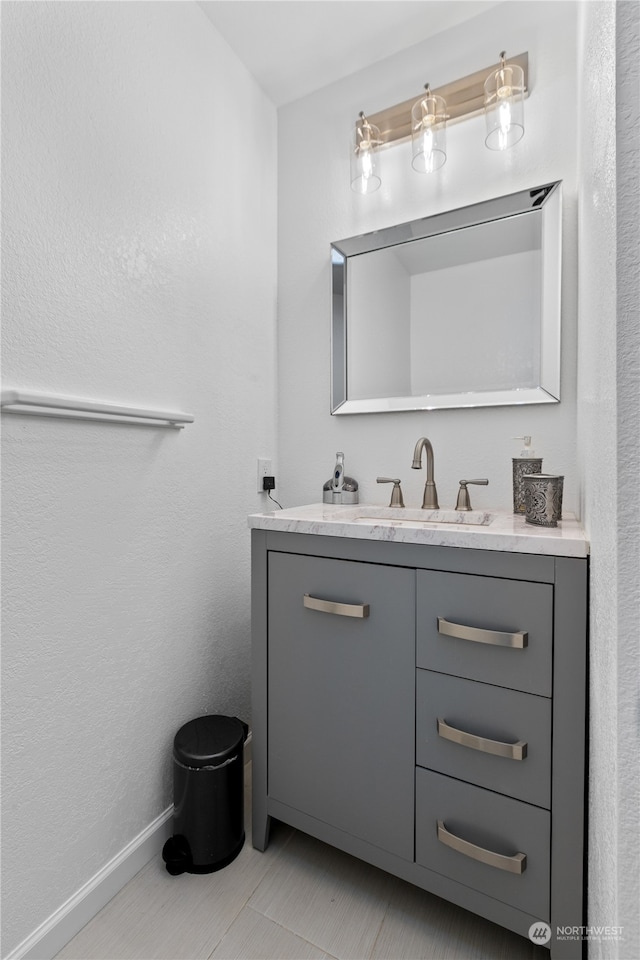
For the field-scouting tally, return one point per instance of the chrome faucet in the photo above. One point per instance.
(430, 499)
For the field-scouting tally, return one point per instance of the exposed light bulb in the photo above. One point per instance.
(427, 145)
(366, 161)
(504, 116)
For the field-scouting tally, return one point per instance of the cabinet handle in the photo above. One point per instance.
(340, 609)
(512, 751)
(519, 639)
(515, 864)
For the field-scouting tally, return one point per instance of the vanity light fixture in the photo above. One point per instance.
(504, 105)
(499, 90)
(364, 159)
(429, 132)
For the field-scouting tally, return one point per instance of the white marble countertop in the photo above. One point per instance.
(493, 530)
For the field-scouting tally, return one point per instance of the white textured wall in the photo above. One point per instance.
(609, 439)
(628, 439)
(317, 206)
(597, 436)
(133, 216)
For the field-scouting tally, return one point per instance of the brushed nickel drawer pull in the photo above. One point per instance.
(515, 864)
(519, 639)
(512, 751)
(340, 609)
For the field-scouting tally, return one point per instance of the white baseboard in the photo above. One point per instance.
(52, 935)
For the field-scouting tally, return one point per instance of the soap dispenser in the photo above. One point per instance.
(527, 462)
(339, 488)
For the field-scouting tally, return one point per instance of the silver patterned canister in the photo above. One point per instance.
(522, 466)
(543, 498)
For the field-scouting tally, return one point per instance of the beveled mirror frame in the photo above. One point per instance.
(544, 201)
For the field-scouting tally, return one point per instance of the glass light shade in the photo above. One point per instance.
(504, 106)
(365, 176)
(429, 133)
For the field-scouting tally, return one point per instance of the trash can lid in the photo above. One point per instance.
(208, 741)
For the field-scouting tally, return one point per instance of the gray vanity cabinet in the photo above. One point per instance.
(423, 708)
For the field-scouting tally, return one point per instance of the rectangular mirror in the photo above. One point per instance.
(461, 309)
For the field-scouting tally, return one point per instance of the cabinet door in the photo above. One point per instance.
(341, 709)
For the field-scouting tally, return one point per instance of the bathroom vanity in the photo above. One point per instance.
(419, 701)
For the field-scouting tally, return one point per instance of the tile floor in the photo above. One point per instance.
(299, 900)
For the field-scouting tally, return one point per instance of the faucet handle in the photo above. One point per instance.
(397, 499)
(464, 501)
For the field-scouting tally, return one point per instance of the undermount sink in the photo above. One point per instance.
(398, 517)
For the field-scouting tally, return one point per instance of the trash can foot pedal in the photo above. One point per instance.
(177, 856)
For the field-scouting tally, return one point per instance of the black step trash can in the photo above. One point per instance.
(208, 795)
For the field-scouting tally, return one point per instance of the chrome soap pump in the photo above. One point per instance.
(340, 488)
(526, 463)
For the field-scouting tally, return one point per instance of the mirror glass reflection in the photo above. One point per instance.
(461, 309)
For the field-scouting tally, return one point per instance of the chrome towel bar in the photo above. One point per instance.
(74, 408)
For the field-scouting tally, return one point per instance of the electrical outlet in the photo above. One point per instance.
(264, 470)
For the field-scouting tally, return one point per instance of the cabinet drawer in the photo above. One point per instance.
(490, 736)
(488, 629)
(456, 823)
